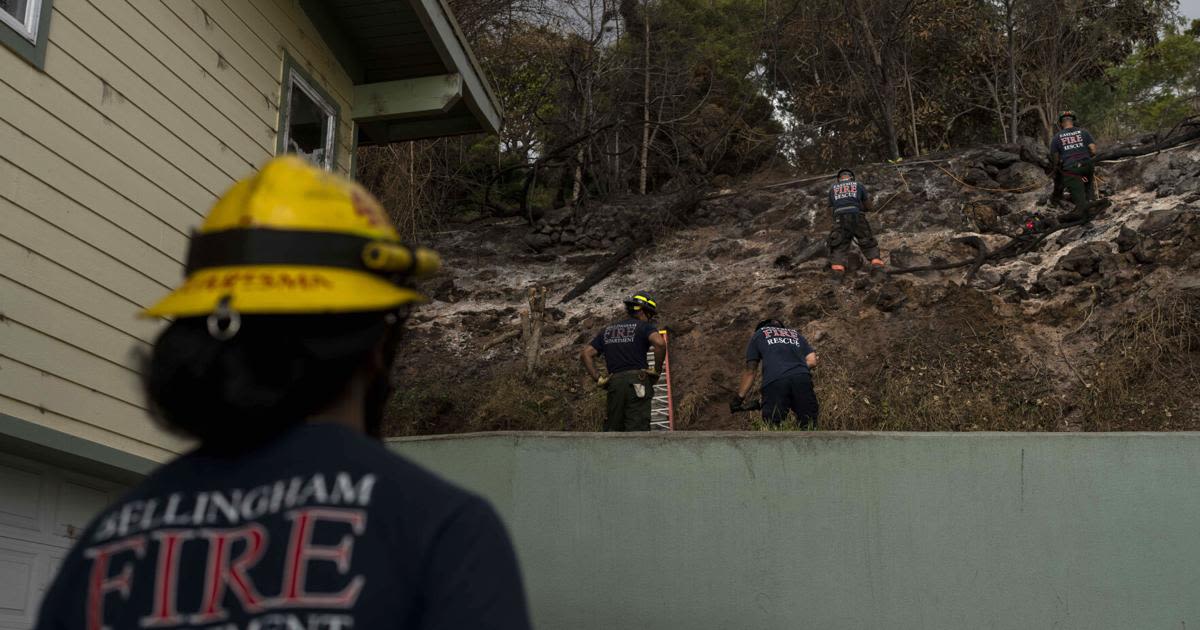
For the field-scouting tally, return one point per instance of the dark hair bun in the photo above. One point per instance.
(275, 372)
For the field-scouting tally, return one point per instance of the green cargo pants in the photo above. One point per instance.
(1078, 177)
(848, 228)
(626, 411)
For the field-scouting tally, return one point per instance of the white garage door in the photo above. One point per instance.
(43, 507)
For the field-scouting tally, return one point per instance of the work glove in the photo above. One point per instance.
(602, 382)
(736, 404)
(650, 375)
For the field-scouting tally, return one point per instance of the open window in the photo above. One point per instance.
(23, 25)
(22, 16)
(308, 118)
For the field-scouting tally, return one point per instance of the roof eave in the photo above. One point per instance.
(457, 55)
(453, 51)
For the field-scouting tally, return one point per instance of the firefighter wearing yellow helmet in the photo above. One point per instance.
(289, 510)
(296, 240)
(629, 384)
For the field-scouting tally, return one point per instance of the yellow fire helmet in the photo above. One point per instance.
(295, 239)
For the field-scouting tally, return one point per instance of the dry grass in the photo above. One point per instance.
(689, 410)
(961, 373)
(958, 366)
(1146, 376)
(554, 402)
(942, 397)
(954, 369)
(789, 424)
(500, 400)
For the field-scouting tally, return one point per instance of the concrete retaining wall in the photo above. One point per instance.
(829, 530)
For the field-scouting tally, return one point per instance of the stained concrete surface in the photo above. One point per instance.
(843, 530)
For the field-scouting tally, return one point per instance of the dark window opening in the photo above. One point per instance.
(310, 123)
(21, 16)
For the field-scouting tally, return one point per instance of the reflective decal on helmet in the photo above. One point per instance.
(295, 239)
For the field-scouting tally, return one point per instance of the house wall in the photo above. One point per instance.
(834, 530)
(145, 111)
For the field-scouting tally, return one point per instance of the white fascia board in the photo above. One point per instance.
(452, 47)
(407, 97)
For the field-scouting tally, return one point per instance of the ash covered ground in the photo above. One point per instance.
(1097, 327)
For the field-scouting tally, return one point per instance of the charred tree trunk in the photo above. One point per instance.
(531, 330)
(881, 65)
(1010, 33)
(889, 119)
(1186, 133)
(912, 108)
(684, 205)
(601, 271)
(644, 167)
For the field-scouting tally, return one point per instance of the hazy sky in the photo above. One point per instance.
(1190, 8)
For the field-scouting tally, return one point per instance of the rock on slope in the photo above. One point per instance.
(1096, 328)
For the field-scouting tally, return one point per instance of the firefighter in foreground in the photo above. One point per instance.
(290, 512)
(849, 200)
(1071, 153)
(630, 381)
(787, 360)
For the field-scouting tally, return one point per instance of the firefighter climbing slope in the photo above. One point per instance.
(290, 512)
(630, 381)
(1071, 153)
(849, 201)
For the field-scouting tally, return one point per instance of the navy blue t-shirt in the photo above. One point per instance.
(781, 350)
(624, 345)
(1072, 144)
(322, 528)
(847, 197)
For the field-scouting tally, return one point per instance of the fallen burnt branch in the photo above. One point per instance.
(1016, 246)
(641, 237)
(602, 269)
(937, 267)
(1187, 132)
(981, 253)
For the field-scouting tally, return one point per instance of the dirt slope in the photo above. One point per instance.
(1096, 328)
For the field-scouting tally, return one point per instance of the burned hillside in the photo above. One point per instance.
(1093, 326)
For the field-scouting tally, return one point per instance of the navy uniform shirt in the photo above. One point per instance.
(625, 344)
(781, 351)
(321, 529)
(1071, 145)
(846, 197)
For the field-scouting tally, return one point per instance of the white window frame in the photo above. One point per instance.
(295, 79)
(29, 28)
